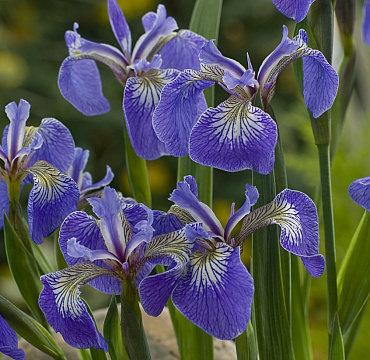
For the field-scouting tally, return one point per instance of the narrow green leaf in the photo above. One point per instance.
(98, 354)
(43, 263)
(84, 354)
(300, 330)
(271, 319)
(29, 329)
(336, 348)
(354, 275)
(113, 334)
(24, 269)
(137, 173)
(246, 344)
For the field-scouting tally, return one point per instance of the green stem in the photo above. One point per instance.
(133, 334)
(137, 173)
(328, 219)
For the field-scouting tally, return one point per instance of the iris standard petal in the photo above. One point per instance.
(53, 197)
(251, 195)
(79, 163)
(18, 115)
(85, 229)
(296, 214)
(182, 51)
(58, 147)
(234, 136)
(294, 9)
(359, 191)
(177, 111)
(184, 197)
(161, 26)
(216, 292)
(79, 83)
(320, 83)
(210, 55)
(9, 341)
(103, 182)
(114, 227)
(155, 290)
(65, 311)
(141, 97)
(366, 23)
(120, 28)
(4, 201)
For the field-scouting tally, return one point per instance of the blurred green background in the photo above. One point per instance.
(32, 48)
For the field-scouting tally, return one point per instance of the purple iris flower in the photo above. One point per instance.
(217, 290)
(9, 341)
(366, 23)
(45, 152)
(359, 191)
(143, 71)
(105, 253)
(83, 178)
(237, 135)
(294, 9)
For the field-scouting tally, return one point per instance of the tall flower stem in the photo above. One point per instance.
(328, 219)
(137, 173)
(133, 334)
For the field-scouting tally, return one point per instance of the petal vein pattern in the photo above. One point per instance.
(141, 97)
(216, 292)
(177, 111)
(64, 309)
(234, 136)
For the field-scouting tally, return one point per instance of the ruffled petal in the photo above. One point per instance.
(86, 231)
(141, 97)
(4, 201)
(296, 214)
(294, 9)
(359, 191)
(164, 223)
(155, 290)
(120, 28)
(53, 197)
(216, 292)
(79, 82)
(65, 311)
(182, 51)
(177, 111)
(184, 197)
(320, 83)
(366, 23)
(155, 29)
(58, 147)
(234, 136)
(9, 341)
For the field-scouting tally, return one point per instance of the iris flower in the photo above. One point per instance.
(83, 178)
(237, 135)
(359, 191)
(45, 152)
(9, 341)
(106, 253)
(216, 291)
(143, 71)
(294, 9)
